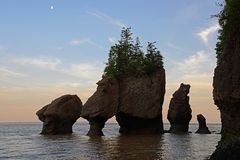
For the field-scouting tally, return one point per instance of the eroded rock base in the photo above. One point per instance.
(96, 126)
(179, 128)
(57, 127)
(135, 125)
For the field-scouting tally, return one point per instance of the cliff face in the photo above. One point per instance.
(179, 112)
(140, 103)
(59, 116)
(226, 94)
(135, 100)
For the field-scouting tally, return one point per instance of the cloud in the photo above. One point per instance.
(58, 48)
(207, 32)
(78, 42)
(192, 63)
(5, 72)
(87, 71)
(43, 62)
(112, 40)
(196, 69)
(107, 18)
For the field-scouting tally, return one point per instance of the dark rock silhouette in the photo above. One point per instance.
(203, 129)
(102, 105)
(179, 113)
(59, 116)
(135, 100)
(226, 94)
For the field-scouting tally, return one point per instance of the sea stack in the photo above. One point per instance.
(136, 101)
(203, 129)
(140, 103)
(102, 105)
(59, 116)
(132, 88)
(226, 82)
(180, 113)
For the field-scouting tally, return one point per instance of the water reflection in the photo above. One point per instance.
(25, 142)
(177, 146)
(129, 147)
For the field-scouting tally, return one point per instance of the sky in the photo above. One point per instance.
(49, 48)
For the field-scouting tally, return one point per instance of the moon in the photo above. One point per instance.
(51, 7)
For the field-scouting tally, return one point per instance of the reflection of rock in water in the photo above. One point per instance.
(141, 147)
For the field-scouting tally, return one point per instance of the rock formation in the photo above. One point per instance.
(135, 100)
(203, 129)
(59, 116)
(179, 113)
(226, 84)
(102, 105)
(140, 103)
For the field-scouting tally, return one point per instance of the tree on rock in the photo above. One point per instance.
(153, 59)
(127, 57)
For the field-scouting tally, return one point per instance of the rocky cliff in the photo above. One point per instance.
(226, 96)
(226, 84)
(136, 100)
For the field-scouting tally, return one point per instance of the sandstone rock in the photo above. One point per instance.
(179, 113)
(203, 129)
(59, 116)
(140, 103)
(102, 105)
(135, 100)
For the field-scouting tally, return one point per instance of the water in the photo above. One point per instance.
(22, 141)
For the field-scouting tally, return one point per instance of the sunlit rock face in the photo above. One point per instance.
(135, 100)
(203, 129)
(226, 94)
(179, 112)
(102, 105)
(59, 116)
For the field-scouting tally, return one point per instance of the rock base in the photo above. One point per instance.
(136, 125)
(179, 128)
(96, 126)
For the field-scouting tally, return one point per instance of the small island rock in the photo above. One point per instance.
(203, 129)
(180, 113)
(59, 116)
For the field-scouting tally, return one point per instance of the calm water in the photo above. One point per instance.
(22, 141)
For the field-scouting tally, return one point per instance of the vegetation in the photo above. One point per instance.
(229, 20)
(127, 57)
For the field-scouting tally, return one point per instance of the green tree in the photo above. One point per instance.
(229, 18)
(136, 58)
(127, 57)
(153, 58)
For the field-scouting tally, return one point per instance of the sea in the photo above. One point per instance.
(22, 141)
